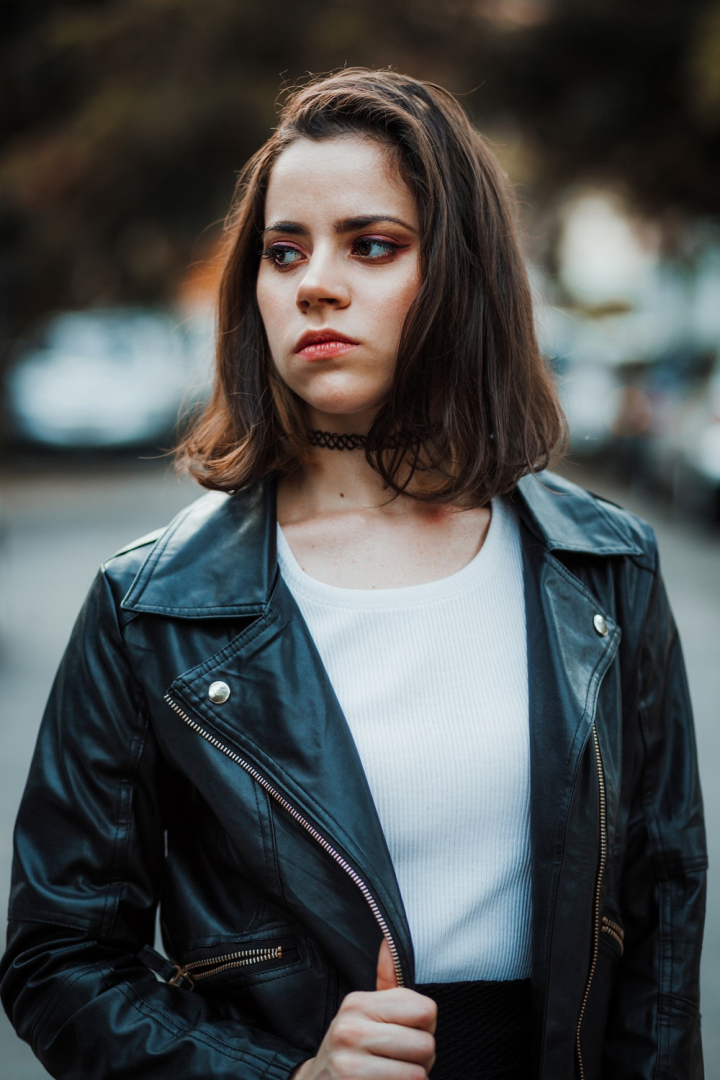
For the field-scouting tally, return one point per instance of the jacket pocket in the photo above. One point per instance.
(276, 981)
(236, 962)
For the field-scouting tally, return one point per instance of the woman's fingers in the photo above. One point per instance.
(357, 1031)
(399, 1006)
(410, 1045)
(341, 1066)
(380, 1035)
(375, 1068)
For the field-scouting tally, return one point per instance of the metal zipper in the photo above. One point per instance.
(615, 931)
(305, 824)
(216, 964)
(598, 890)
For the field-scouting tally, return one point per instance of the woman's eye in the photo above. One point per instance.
(282, 255)
(370, 247)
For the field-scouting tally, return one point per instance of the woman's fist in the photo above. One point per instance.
(385, 1035)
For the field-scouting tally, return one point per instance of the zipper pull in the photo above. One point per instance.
(181, 977)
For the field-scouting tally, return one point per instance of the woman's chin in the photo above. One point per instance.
(341, 413)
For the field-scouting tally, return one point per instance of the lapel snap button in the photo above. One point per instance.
(219, 692)
(600, 625)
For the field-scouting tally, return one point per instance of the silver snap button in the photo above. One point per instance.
(220, 692)
(598, 622)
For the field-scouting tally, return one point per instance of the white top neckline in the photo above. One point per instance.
(468, 577)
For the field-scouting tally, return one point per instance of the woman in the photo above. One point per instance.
(398, 734)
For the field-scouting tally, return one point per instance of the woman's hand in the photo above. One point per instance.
(386, 1035)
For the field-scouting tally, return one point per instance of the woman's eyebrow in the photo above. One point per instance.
(293, 227)
(362, 222)
(345, 225)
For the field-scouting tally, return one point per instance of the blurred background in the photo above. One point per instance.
(122, 126)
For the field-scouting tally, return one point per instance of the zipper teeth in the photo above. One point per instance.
(297, 816)
(598, 888)
(233, 960)
(615, 936)
(616, 927)
(247, 955)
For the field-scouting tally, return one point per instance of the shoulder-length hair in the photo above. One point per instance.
(472, 406)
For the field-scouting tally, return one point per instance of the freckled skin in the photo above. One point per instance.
(338, 520)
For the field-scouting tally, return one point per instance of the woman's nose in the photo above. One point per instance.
(322, 284)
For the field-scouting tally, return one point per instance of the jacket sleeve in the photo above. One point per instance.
(654, 1029)
(88, 857)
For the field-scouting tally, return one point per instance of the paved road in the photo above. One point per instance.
(60, 525)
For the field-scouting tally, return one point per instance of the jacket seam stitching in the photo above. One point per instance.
(272, 866)
(657, 853)
(250, 608)
(174, 1027)
(51, 1006)
(656, 856)
(667, 964)
(128, 786)
(55, 918)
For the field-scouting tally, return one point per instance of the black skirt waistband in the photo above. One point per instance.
(483, 1030)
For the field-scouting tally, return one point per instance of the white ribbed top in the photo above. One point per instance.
(432, 680)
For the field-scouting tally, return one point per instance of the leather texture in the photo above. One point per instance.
(249, 822)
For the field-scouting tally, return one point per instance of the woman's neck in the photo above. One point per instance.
(345, 529)
(333, 481)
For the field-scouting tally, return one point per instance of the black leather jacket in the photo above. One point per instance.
(250, 821)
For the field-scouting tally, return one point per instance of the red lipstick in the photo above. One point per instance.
(324, 344)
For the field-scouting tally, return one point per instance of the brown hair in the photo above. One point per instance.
(482, 411)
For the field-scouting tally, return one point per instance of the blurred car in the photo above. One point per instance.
(669, 423)
(113, 378)
(699, 464)
(583, 357)
(588, 395)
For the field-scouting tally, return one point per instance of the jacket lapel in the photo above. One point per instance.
(567, 661)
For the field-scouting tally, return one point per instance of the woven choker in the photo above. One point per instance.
(333, 440)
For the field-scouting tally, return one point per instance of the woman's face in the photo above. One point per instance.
(340, 268)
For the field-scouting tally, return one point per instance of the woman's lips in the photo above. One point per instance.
(324, 350)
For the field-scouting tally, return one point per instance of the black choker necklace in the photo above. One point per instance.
(333, 440)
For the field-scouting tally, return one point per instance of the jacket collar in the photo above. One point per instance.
(217, 558)
(565, 517)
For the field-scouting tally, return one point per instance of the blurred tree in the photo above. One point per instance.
(122, 122)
